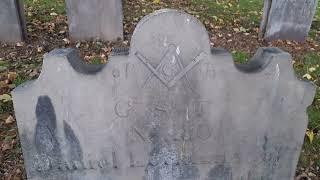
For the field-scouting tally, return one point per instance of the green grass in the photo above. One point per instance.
(96, 61)
(4, 66)
(20, 79)
(317, 16)
(6, 107)
(43, 8)
(240, 57)
(244, 12)
(309, 152)
(310, 64)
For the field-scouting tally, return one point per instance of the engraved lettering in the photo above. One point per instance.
(204, 131)
(116, 73)
(207, 71)
(131, 160)
(122, 108)
(114, 160)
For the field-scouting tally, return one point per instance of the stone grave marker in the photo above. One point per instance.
(12, 23)
(287, 19)
(171, 108)
(95, 19)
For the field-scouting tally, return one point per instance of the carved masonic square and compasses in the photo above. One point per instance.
(170, 69)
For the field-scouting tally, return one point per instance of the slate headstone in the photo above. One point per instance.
(12, 23)
(171, 108)
(287, 19)
(95, 19)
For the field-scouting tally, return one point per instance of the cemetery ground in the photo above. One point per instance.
(231, 24)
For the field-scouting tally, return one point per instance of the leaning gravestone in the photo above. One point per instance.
(287, 19)
(12, 23)
(95, 19)
(170, 109)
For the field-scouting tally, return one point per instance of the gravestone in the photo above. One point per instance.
(287, 19)
(95, 19)
(12, 23)
(171, 108)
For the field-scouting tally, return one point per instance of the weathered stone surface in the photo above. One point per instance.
(12, 23)
(287, 19)
(170, 109)
(94, 19)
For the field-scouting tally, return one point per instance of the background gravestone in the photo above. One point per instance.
(95, 19)
(170, 109)
(287, 19)
(12, 23)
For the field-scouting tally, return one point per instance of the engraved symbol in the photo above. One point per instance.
(115, 73)
(141, 135)
(204, 131)
(170, 69)
(122, 108)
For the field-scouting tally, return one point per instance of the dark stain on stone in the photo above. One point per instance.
(220, 172)
(219, 51)
(46, 141)
(265, 143)
(75, 150)
(165, 163)
(188, 172)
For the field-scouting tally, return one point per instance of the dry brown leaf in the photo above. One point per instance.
(9, 120)
(6, 146)
(12, 76)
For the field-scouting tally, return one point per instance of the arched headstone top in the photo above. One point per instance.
(158, 31)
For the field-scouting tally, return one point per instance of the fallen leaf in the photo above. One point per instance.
(215, 18)
(12, 76)
(62, 32)
(19, 44)
(310, 135)
(5, 98)
(78, 45)
(307, 76)
(312, 69)
(40, 49)
(66, 41)
(9, 120)
(242, 29)
(156, 1)
(53, 14)
(236, 29)
(6, 146)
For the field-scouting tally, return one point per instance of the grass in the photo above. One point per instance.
(246, 13)
(96, 61)
(240, 57)
(310, 64)
(20, 79)
(44, 8)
